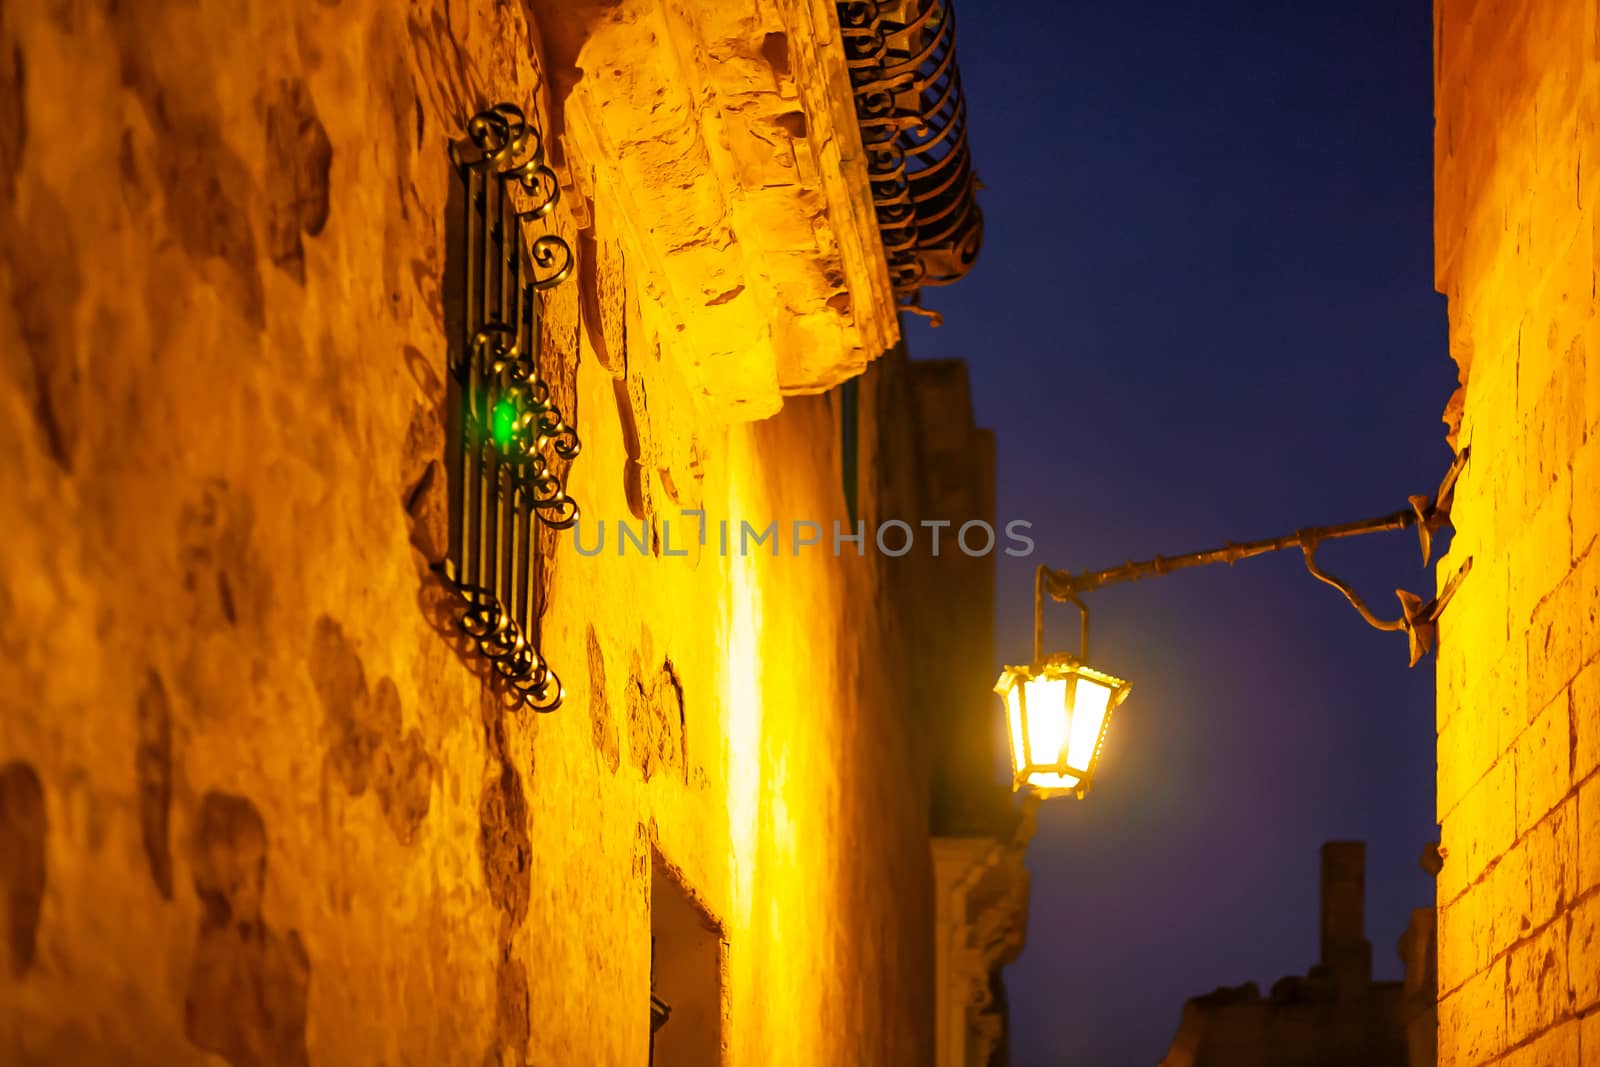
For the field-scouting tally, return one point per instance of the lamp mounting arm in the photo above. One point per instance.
(1419, 621)
(1041, 578)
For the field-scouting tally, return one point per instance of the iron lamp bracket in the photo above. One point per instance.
(1418, 619)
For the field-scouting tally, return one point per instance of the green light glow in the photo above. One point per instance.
(503, 423)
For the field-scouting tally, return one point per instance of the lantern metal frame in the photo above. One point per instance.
(1059, 666)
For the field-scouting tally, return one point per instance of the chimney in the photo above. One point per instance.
(1346, 952)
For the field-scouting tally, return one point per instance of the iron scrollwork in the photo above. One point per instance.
(507, 430)
(912, 114)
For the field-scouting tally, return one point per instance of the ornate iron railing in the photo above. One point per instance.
(505, 428)
(913, 119)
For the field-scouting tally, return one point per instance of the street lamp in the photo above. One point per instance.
(1058, 708)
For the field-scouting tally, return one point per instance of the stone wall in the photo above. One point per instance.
(1517, 156)
(252, 804)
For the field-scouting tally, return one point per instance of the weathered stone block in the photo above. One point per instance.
(1589, 342)
(1555, 643)
(1583, 954)
(1473, 633)
(1553, 226)
(1588, 834)
(1585, 695)
(1455, 846)
(1557, 1047)
(1472, 1021)
(1471, 513)
(1466, 751)
(1567, 428)
(1489, 425)
(1493, 815)
(1586, 498)
(1450, 669)
(1487, 238)
(1536, 983)
(1464, 938)
(1484, 825)
(1542, 460)
(1552, 856)
(1588, 605)
(1508, 920)
(1541, 554)
(1544, 763)
(1509, 682)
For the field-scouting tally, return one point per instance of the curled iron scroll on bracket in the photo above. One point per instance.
(1418, 620)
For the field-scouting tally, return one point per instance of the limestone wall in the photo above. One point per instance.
(1517, 157)
(252, 805)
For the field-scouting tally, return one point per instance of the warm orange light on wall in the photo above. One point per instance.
(1058, 712)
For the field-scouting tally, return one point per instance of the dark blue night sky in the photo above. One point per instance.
(1205, 310)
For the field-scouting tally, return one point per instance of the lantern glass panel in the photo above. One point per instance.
(1049, 715)
(1090, 704)
(1014, 717)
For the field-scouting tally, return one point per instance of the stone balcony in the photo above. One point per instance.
(725, 141)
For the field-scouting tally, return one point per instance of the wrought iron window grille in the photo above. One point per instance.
(506, 430)
(901, 55)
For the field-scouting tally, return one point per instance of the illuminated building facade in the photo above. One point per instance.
(261, 798)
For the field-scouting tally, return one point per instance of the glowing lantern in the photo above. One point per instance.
(1058, 712)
